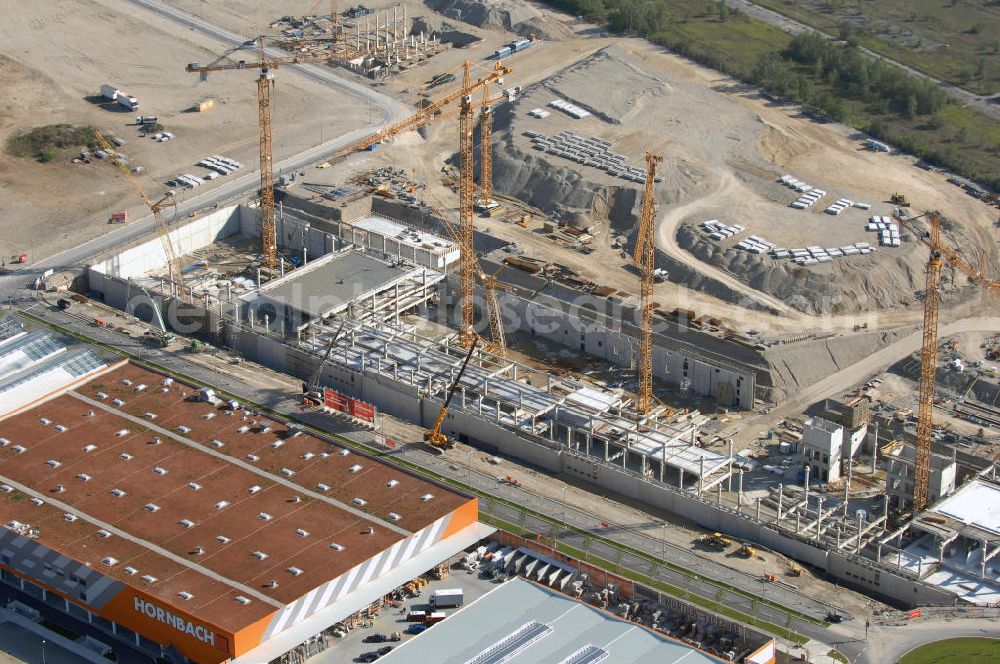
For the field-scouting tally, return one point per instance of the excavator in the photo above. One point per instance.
(433, 436)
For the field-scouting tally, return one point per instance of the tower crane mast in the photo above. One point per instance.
(928, 349)
(465, 212)
(645, 253)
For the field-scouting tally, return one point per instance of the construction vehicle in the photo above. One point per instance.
(163, 336)
(433, 436)
(899, 200)
(157, 208)
(511, 481)
(929, 345)
(746, 550)
(794, 570)
(311, 394)
(716, 541)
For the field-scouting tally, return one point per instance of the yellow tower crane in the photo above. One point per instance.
(928, 349)
(265, 85)
(156, 207)
(466, 335)
(645, 254)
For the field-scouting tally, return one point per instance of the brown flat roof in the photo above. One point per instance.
(255, 487)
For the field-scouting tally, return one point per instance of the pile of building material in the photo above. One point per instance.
(888, 231)
(219, 165)
(539, 113)
(756, 245)
(588, 151)
(815, 255)
(569, 109)
(720, 231)
(809, 193)
(838, 207)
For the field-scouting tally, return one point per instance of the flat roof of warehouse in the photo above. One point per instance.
(333, 280)
(193, 509)
(534, 624)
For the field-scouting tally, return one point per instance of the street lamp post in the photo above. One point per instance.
(43, 651)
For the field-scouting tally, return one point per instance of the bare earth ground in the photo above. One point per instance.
(56, 54)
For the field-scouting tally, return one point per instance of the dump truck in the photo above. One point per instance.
(746, 550)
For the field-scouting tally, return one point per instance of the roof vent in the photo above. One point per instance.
(223, 539)
(264, 516)
(344, 452)
(4, 442)
(221, 505)
(126, 382)
(53, 463)
(60, 488)
(103, 534)
(254, 489)
(45, 421)
(160, 470)
(265, 429)
(185, 595)
(121, 432)
(208, 416)
(240, 599)
(19, 449)
(360, 502)
(184, 429)
(336, 547)
(271, 584)
(294, 571)
(393, 516)
(83, 477)
(187, 523)
(149, 578)
(140, 387)
(199, 550)
(392, 483)
(253, 457)
(60, 428)
(89, 448)
(370, 531)
(70, 517)
(426, 497)
(278, 443)
(150, 416)
(156, 440)
(6, 488)
(124, 456)
(101, 395)
(296, 499)
(287, 472)
(243, 429)
(194, 485)
(37, 502)
(322, 487)
(355, 468)
(118, 493)
(131, 571)
(118, 402)
(109, 561)
(218, 443)
(168, 381)
(302, 532)
(308, 455)
(260, 555)
(152, 507)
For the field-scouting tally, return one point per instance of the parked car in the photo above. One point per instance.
(416, 628)
(375, 638)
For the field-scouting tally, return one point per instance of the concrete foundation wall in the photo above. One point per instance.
(150, 255)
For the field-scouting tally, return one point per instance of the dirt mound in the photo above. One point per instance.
(522, 19)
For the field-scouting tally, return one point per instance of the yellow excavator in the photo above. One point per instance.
(433, 436)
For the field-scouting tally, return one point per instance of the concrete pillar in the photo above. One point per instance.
(701, 474)
(798, 521)
(878, 552)
(857, 548)
(305, 255)
(680, 477)
(781, 500)
(719, 485)
(282, 263)
(607, 450)
(258, 278)
(982, 564)
(806, 483)
(267, 323)
(643, 462)
(498, 411)
(819, 518)
(251, 319)
(739, 494)
(758, 509)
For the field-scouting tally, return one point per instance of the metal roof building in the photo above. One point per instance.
(528, 623)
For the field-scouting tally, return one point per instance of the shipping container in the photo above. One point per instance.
(109, 92)
(502, 52)
(447, 597)
(520, 44)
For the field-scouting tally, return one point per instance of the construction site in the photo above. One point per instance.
(581, 257)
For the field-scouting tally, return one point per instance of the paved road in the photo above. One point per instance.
(978, 102)
(390, 108)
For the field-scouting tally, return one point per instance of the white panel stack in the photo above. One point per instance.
(838, 207)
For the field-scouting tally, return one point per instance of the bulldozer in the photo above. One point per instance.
(746, 550)
(433, 436)
(716, 541)
(899, 200)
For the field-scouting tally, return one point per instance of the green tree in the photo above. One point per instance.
(723, 11)
(846, 29)
(911, 107)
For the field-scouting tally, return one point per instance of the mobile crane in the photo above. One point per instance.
(433, 436)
